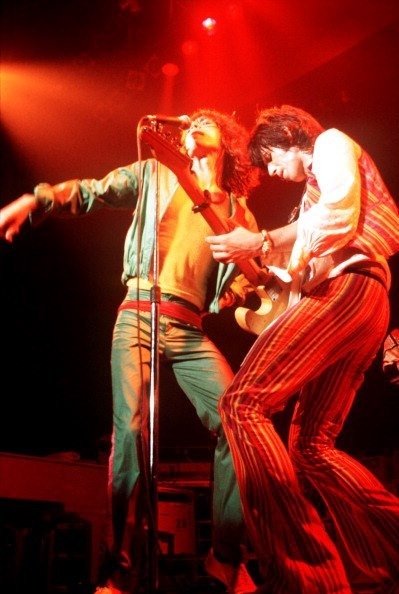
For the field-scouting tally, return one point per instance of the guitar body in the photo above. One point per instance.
(273, 290)
(275, 297)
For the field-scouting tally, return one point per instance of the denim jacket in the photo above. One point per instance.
(120, 189)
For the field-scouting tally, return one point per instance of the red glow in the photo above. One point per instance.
(189, 47)
(170, 69)
(235, 11)
(59, 106)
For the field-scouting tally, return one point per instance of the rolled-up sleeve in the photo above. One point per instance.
(118, 189)
(329, 224)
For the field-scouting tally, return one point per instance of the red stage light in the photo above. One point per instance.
(170, 69)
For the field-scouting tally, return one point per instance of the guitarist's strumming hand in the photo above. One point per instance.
(238, 244)
(299, 259)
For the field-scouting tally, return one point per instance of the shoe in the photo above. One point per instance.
(236, 579)
(109, 590)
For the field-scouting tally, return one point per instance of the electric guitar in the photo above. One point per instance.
(272, 287)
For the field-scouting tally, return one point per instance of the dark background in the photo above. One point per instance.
(76, 78)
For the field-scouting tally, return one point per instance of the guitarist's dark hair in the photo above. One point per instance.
(238, 175)
(283, 127)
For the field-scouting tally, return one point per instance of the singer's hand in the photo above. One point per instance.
(13, 215)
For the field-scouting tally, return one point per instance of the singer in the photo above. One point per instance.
(192, 283)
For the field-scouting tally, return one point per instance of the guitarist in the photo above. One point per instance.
(321, 347)
(191, 283)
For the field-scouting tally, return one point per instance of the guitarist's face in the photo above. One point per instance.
(202, 137)
(287, 164)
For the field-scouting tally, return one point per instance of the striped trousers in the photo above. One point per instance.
(319, 349)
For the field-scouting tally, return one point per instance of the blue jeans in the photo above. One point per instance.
(203, 374)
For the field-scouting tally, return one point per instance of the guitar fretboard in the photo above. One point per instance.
(169, 154)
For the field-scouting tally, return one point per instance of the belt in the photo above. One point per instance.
(167, 308)
(371, 273)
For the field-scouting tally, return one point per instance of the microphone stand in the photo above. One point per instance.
(153, 404)
(152, 444)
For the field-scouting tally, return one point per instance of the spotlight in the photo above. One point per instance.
(209, 24)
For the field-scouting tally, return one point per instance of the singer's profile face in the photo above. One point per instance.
(202, 136)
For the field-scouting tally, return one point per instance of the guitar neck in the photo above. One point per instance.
(180, 164)
(252, 272)
(203, 204)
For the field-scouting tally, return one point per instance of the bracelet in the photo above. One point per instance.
(267, 244)
(44, 198)
(44, 194)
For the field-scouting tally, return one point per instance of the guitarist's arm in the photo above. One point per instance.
(241, 244)
(283, 238)
(281, 242)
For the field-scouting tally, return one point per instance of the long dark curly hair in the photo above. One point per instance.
(238, 175)
(282, 127)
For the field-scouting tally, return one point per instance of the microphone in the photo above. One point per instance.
(183, 121)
